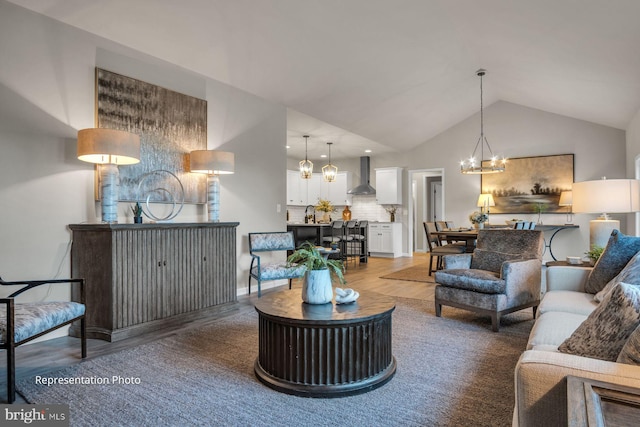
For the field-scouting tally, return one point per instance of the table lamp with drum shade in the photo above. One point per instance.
(485, 201)
(214, 163)
(605, 196)
(108, 148)
(566, 199)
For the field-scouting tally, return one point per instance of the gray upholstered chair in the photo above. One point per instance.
(501, 276)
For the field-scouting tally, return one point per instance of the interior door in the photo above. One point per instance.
(437, 213)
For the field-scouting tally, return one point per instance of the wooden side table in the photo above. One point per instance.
(596, 403)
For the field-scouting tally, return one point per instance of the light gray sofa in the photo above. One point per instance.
(540, 375)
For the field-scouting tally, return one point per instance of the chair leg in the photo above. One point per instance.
(11, 374)
(535, 310)
(430, 265)
(259, 288)
(249, 284)
(495, 322)
(83, 337)
(290, 283)
(438, 309)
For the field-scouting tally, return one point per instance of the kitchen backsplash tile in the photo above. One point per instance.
(362, 208)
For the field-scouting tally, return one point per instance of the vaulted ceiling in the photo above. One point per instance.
(388, 74)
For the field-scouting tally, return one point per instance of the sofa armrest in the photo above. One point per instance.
(561, 278)
(450, 262)
(541, 384)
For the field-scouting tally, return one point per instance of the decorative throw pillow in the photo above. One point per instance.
(603, 334)
(619, 250)
(630, 274)
(630, 353)
(490, 260)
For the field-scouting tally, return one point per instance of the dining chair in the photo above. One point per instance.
(524, 225)
(436, 249)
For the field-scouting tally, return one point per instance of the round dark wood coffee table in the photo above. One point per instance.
(324, 350)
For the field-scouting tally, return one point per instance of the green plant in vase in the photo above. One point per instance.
(316, 286)
(137, 213)
(594, 253)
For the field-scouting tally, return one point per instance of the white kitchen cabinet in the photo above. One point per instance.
(389, 186)
(336, 192)
(303, 192)
(385, 239)
(295, 195)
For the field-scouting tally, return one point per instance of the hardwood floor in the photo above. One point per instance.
(42, 357)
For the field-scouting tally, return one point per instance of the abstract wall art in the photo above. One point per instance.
(170, 125)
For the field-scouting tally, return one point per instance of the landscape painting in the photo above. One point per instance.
(530, 184)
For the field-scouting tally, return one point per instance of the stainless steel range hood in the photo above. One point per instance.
(364, 189)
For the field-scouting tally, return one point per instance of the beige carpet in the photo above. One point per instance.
(417, 273)
(452, 371)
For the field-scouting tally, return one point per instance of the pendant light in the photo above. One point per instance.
(306, 166)
(471, 165)
(329, 172)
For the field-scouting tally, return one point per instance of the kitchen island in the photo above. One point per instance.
(312, 233)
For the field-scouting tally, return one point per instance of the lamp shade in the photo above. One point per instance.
(566, 198)
(485, 199)
(212, 162)
(108, 146)
(606, 196)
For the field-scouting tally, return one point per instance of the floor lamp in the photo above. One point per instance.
(108, 148)
(214, 163)
(605, 195)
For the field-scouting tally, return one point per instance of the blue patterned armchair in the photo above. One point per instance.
(23, 322)
(269, 242)
(502, 275)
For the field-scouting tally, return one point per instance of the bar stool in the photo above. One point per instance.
(351, 245)
(361, 237)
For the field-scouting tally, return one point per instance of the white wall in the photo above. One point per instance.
(633, 152)
(47, 93)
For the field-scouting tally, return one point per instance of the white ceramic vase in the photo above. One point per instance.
(316, 287)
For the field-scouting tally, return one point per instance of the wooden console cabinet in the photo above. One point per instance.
(144, 277)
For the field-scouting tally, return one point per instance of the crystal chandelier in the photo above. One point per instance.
(306, 166)
(473, 166)
(329, 172)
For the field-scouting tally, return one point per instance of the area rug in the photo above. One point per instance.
(451, 371)
(417, 273)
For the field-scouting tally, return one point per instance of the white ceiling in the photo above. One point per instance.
(397, 72)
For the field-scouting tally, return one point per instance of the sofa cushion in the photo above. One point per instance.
(488, 260)
(568, 302)
(552, 328)
(619, 250)
(486, 282)
(630, 353)
(603, 334)
(629, 274)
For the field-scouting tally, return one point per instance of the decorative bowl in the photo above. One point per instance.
(574, 260)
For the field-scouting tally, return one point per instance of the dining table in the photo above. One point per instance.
(470, 235)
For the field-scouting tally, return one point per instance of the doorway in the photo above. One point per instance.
(426, 203)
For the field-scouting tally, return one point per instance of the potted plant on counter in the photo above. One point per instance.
(316, 286)
(326, 207)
